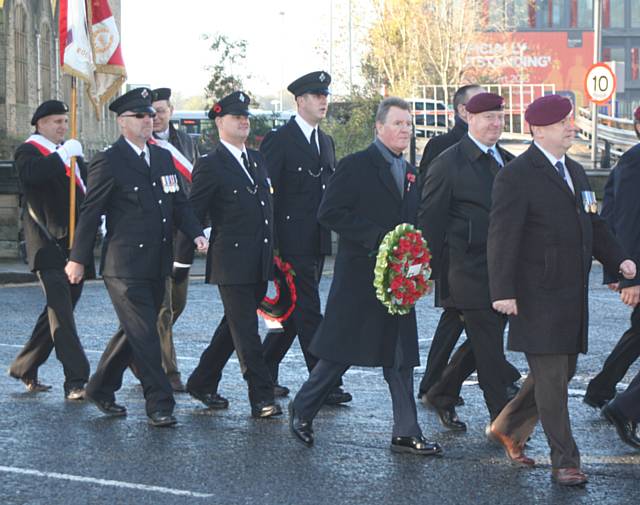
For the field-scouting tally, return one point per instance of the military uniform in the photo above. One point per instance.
(138, 190)
(300, 159)
(45, 185)
(231, 189)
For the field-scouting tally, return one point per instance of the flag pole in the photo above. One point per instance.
(72, 165)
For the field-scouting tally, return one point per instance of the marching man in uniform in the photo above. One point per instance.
(43, 164)
(136, 185)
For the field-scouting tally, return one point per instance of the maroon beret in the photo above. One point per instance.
(548, 109)
(484, 102)
(636, 114)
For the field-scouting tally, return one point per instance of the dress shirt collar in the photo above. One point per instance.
(485, 149)
(237, 153)
(552, 159)
(145, 150)
(305, 127)
(162, 135)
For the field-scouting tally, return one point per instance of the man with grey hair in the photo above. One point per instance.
(371, 192)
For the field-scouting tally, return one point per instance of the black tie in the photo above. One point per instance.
(144, 158)
(314, 144)
(561, 170)
(248, 167)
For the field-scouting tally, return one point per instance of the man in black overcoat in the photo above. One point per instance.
(454, 218)
(621, 209)
(451, 324)
(543, 231)
(43, 164)
(135, 184)
(370, 193)
(232, 191)
(301, 158)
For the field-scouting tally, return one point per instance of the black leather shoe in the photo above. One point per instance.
(303, 430)
(337, 396)
(626, 428)
(34, 385)
(449, 419)
(161, 419)
(592, 401)
(210, 400)
(262, 410)
(512, 391)
(415, 445)
(74, 394)
(280, 391)
(108, 407)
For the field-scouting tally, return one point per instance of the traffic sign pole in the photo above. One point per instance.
(597, 42)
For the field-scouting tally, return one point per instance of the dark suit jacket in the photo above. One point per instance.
(621, 208)
(440, 143)
(140, 214)
(298, 189)
(454, 219)
(362, 203)
(241, 248)
(541, 242)
(45, 187)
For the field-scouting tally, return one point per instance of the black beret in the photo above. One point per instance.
(485, 102)
(160, 94)
(136, 100)
(236, 103)
(548, 109)
(49, 108)
(315, 82)
(636, 114)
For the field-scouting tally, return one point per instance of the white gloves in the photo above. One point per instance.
(70, 148)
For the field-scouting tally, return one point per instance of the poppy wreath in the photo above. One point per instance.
(280, 307)
(401, 274)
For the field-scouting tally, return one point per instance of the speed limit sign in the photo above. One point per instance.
(600, 83)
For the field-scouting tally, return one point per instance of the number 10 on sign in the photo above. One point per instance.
(600, 83)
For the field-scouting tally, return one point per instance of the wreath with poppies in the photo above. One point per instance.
(282, 304)
(402, 271)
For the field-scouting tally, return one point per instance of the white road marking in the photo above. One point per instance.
(103, 482)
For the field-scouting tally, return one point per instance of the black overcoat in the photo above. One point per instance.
(299, 180)
(140, 214)
(441, 143)
(541, 242)
(45, 188)
(454, 218)
(240, 214)
(362, 203)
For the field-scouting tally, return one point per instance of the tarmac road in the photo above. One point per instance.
(54, 452)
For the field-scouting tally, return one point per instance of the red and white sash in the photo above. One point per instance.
(182, 164)
(46, 147)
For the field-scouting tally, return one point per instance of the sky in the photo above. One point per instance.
(163, 45)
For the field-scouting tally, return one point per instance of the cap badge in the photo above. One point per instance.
(321, 77)
(241, 97)
(217, 108)
(144, 93)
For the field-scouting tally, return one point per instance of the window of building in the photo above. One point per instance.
(524, 13)
(581, 14)
(635, 64)
(613, 13)
(45, 62)
(20, 44)
(548, 13)
(634, 6)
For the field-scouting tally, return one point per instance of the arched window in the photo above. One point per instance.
(22, 91)
(45, 62)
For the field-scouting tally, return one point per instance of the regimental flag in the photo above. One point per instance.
(91, 51)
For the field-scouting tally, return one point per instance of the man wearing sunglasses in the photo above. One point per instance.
(301, 159)
(231, 188)
(135, 184)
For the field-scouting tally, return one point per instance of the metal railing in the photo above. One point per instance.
(617, 132)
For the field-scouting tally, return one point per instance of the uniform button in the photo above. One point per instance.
(266, 221)
(266, 240)
(160, 202)
(323, 186)
(235, 245)
(153, 184)
(164, 239)
(287, 218)
(140, 245)
(299, 169)
(135, 188)
(235, 191)
(262, 202)
(164, 219)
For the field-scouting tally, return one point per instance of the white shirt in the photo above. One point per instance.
(162, 135)
(147, 154)
(307, 129)
(237, 154)
(484, 149)
(553, 160)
